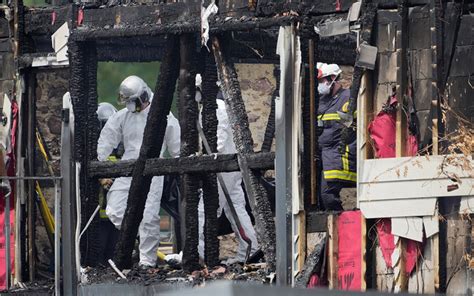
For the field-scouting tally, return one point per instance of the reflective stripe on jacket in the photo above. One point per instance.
(337, 164)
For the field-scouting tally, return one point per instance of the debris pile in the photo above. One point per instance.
(168, 275)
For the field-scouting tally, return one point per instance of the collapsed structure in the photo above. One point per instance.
(413, 232)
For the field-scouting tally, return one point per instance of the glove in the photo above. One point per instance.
(106, 183)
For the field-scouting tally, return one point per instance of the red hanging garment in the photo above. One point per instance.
(11, 173)
(382, 131)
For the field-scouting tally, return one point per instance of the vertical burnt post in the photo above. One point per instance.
(31, 209)
(188, 116)
(153, 137)
(83, 89)
(209, 182)
(235, 107)
(270, 129)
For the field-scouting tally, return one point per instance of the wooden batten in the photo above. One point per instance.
(333, 251)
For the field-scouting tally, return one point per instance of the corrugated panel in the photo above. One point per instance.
(408, 186)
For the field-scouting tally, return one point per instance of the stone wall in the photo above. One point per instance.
(257, 83)
(50, 88)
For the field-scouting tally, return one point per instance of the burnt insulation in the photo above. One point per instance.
(151, 147)
(188, 116)
(209, 181)
(235, 107)
(83, 89)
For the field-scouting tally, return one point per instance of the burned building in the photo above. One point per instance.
(408, 221)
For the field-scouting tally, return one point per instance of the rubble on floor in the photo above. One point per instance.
(166, 275)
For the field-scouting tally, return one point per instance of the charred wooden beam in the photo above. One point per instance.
(188, 117)
(209, 181)
(151, 147)
(46, 21)
(181, 165)
(235, 107)
(83, 89)
(193, 25)
(272, 8)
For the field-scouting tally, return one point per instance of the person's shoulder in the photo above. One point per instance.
(122, 111)
(346, 92)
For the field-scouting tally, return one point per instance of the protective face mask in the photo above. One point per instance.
(131, 106)
(324, 88)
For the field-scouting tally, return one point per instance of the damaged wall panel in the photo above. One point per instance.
(460, 83)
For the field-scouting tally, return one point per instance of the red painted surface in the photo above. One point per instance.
(349, 260)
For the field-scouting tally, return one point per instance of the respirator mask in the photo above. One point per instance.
(131, 105)
(324, 88)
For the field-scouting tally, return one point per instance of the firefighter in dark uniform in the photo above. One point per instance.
(338, 159)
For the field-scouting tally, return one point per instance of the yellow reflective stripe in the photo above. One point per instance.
(345, 107)
(333, 116)
(345, 159)
(102, 214)
(341, 175)
(112, 158)
(329, 116)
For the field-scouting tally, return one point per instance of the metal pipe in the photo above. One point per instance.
(7, 241)
(57, 239)
(242, 233)
(33, 178)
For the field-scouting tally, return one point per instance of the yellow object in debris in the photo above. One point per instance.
(45, 211)
(160, 255)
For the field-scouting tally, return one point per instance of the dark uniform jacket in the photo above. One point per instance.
(338, 164)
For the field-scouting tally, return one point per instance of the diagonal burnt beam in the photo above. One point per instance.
(235, 107)
(151, 147)
(188, 116)
(209, 181)
(181, 165)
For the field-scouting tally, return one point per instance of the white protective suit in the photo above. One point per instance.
(127, 127)
(233, 182)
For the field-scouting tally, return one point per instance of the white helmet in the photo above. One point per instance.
(133, 87)
(105, 110)
(325, 70)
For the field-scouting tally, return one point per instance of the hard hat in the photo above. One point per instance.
(325, 70)
(133, 87)
(105, 110)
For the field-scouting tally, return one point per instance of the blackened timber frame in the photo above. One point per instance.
(84, 52)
